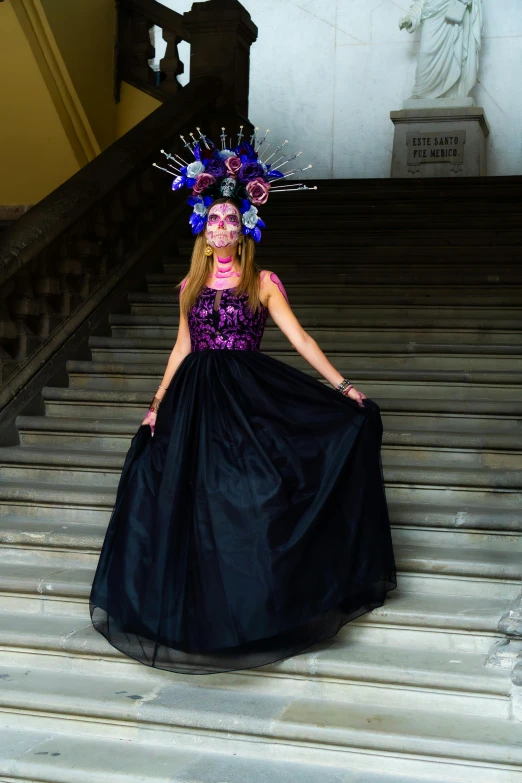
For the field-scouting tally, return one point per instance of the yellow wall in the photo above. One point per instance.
(133, 107)
(84, 31)
(57, 110)
(35, 153)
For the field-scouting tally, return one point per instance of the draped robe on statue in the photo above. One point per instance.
(449, 53)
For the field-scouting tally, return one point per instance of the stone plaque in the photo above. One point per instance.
(435, 147)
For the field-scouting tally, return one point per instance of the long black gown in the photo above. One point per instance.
(253, 523)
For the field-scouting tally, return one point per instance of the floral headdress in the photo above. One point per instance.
(231, 172)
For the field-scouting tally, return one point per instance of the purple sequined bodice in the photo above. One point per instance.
(218, 320)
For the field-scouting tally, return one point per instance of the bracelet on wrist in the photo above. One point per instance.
(344, 385)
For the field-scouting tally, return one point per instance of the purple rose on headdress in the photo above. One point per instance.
(202, 181)
(250, 171)
(233, 165)
(216, 167)
(257, 190)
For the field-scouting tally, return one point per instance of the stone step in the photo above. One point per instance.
(431, 563)
(424, 606)
(351, 293)
(459, 316)
(90, 452)
(503, 384)
(407, 430)
(155, 349)
(355, 672)
(431, 560)
(324, 730)
(360, 357)
(378, 253)
(467, 265)
(145, 329)
(446, 403)
(52, 756)
(342, 239)
(350, 274)
(461, 522)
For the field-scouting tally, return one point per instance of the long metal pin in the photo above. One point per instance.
(262, 141)
(291, 187)
(187, 145)
(276, 150)
(289, 174)
(202, 138)
(286, 162)
(240, 135)
(162, 169)
(194, 140)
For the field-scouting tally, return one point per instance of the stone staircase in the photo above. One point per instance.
(414, 290)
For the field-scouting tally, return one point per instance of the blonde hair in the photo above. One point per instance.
(201, 266)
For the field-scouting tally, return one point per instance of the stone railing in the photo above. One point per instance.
(134, 47)
(58, 256)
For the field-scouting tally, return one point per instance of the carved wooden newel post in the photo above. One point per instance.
(221, 34)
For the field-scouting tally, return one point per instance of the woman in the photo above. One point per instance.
(250, 520)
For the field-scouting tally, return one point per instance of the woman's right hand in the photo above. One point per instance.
(150, 419)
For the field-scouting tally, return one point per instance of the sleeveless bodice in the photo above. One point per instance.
(218, 320)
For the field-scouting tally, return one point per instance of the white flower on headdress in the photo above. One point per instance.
(250, 217)
(195, 168)
(224, 154)
(200, 209)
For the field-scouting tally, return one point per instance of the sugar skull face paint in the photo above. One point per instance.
(223, 226)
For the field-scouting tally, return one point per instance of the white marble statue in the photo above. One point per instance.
(449, 47)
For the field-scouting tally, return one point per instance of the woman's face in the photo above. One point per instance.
(223, 226)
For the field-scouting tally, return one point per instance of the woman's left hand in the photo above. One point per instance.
(355, 395)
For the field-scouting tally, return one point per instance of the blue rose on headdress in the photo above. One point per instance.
(250, 171)
(216, 167)
(195, 168)
(250, 217)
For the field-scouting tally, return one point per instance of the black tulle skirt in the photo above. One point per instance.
(252, 525)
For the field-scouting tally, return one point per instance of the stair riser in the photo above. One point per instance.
(72, 537)
(359, 274)
(344, 336)
(475, 581)
(356, 362)
(426, 576)
(369, 631)
(337, 753)
(493, 430)
(441, 476)
(353, 294)
(412, 520)
(428, 316)
(67, 514)
(494, 539)
(340, 688)
(100, 478)
(421, 638)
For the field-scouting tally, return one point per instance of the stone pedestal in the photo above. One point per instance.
(439, 141)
